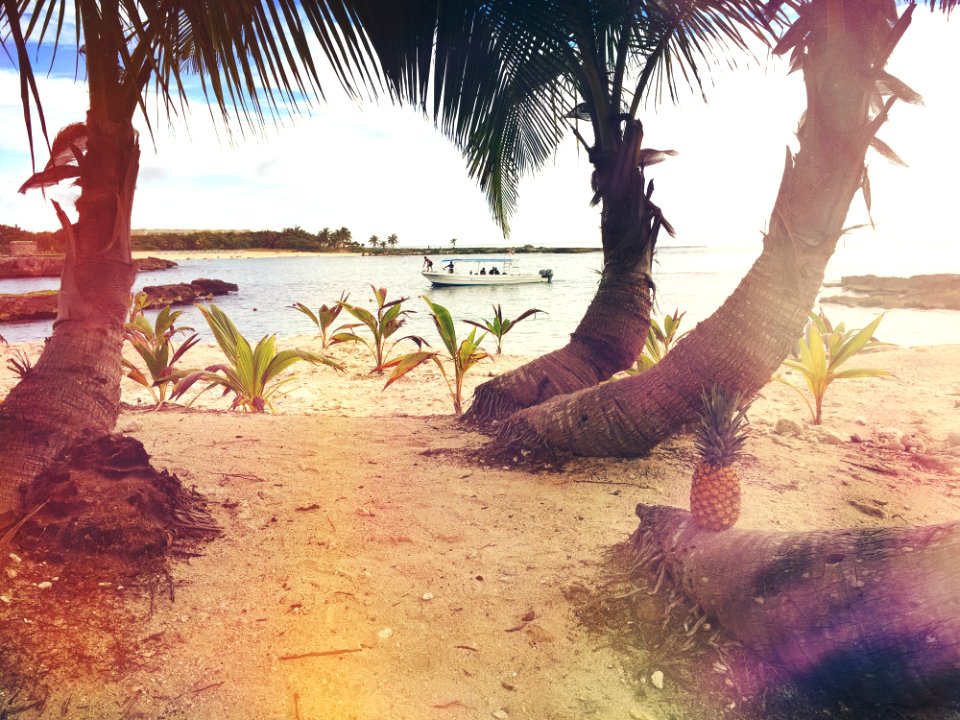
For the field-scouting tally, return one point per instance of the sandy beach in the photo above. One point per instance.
(370, 569)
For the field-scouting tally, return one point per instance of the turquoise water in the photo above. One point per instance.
(693, 279)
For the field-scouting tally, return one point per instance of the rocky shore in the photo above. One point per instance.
(30, 266)
(927, 292)
(43, 305)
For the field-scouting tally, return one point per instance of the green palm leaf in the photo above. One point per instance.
(499, 76)
(251, 373)
(822, 350)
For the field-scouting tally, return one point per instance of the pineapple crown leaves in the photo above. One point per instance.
(722, 428)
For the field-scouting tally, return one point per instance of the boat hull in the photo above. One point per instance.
(446, 278)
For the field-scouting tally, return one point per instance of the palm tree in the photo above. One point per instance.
(453, 243)
(392, 241)
(842, 47)
(374, 242)
(342, 237)
(509, 80)
(254, 60)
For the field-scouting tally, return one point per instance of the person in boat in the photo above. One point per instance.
(494, 271)
(483, 271)
(427, 264)
(449, 267)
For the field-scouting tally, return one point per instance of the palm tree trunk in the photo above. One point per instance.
(608, 339)
(74, 389)
(614, 327)
(746, 339)
(872, 613)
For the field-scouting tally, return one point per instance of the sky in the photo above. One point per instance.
(382, 169)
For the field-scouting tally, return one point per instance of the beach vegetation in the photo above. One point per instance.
(660, 338)
(461, 355)
(325, 317)
(499, 326)
(295, 238)
(20, 364)
(154, 343)
(822, 350)
(251, 374)
(382, 324)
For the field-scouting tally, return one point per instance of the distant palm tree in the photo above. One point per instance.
(374, 242)
(509, 79)
(342, 237)
(254, 59)
(392, 241)
(453, 243)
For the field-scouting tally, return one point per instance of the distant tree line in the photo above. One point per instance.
(291, 238)
(47, 242)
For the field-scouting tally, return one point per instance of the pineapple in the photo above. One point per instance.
(720, 434)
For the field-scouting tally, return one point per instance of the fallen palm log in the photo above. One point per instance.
(870, 613)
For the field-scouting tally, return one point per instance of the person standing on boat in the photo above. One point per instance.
(427, 263)
(483, 271)
(449, 267)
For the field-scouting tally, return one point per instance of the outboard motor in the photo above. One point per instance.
(548, 274)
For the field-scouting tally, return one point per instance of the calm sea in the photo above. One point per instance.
(693, 279)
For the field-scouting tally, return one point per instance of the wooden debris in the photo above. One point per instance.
(321, 653)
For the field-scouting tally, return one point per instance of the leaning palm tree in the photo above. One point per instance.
(842, 47)
(508, 80)
(255, 62)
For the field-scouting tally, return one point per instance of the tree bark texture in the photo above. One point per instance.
(614, 327)
(608, 339)
(870, 613)
(73, 391)
(745, 340)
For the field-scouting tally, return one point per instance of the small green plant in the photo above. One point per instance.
(822, 350)
(252, 373)
(462, 356)
(324, 317)
(20, 363)
(154, 344)
(660, 338)
(389, 318)
(498, 326)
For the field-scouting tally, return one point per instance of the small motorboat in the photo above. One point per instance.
(483, 271)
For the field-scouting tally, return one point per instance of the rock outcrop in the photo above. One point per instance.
(27, 266)
(150, 264)
(186, 293)
(43, 305)
(29, 306)
(930, 292)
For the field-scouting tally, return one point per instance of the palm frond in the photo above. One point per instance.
(255, 59)
(499, 76)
